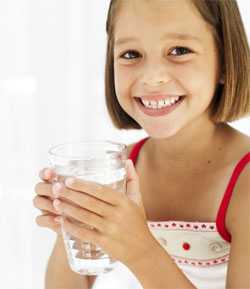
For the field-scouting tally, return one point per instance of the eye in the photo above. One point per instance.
(179, 51)
(129, 52)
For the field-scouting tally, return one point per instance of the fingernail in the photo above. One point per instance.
(47, 173)
(56, 189)
(56, 203)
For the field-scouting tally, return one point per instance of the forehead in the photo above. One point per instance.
(151, 17)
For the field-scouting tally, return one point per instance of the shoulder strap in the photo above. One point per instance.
(220, 220)
(136, 149)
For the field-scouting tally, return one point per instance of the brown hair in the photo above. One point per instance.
(231, 100)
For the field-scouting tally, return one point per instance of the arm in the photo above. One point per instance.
(158, 271)
(58, 273)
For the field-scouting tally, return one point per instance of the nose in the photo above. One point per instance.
(155, 76)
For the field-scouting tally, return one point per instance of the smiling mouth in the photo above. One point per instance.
(181, 97)
(157, 112)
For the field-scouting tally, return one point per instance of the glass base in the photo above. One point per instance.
(93, 267)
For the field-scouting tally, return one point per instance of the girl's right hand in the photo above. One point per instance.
(43, 201)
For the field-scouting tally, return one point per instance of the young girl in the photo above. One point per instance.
(180, 71)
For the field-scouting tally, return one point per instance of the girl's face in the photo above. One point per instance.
(172, 52)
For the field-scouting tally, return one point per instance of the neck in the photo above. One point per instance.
(193, 148)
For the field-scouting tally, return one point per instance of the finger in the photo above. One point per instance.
(89, 235)
(83, 200)
(48, 222)
(96, 190)
(47, 174)
(43, 203)
(80, 214)
(44, 212)
(50, 176)
(44, 189)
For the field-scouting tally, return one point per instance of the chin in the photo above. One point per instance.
(162, 133)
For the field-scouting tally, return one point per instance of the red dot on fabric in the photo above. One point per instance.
(186, 246)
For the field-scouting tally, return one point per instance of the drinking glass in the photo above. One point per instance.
(102, 162)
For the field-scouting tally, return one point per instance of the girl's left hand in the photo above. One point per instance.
(119, 220)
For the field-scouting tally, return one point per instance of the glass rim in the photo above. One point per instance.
(51, 150)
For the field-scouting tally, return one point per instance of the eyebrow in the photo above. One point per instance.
(180, 36)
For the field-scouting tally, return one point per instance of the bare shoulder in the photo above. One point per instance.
(240, 198)
(238, 221)
(241, 194)
(237, 145)
(239, 228)
(242, 140)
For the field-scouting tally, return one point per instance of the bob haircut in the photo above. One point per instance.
(231, 100)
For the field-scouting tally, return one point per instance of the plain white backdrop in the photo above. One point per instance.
(52, 58)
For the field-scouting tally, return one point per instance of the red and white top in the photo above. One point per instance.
(200, 249)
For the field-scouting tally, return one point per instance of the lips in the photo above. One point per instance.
(158, 112)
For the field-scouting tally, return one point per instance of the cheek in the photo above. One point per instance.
(123, 80)
(197, 79)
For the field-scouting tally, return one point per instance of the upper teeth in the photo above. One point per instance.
(160, 103)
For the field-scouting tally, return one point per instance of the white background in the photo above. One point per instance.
(52, 57)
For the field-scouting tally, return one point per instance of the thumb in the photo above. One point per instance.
(132, 182)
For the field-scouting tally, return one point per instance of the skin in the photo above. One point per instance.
(186, 133)
(194, 74)
(114, 215)
(156, 66)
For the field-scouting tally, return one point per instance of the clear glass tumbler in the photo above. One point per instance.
(102, 162)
